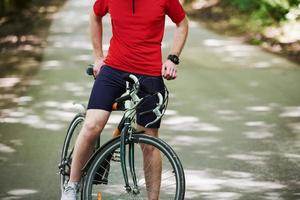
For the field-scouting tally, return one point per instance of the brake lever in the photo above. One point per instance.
(156, 110)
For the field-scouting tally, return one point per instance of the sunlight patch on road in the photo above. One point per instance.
(6, 149)
(237, 174)
(292, 156)
(262, 64)
(21, 192)
(253, 186)
(259, 108)
(170, 112)
(58, 114)
(188, 123)
(228, 115)
(63, 105)
(23, 100)
(255, 123)
(73, 87)
(221, 195)
(85, 45)
(291, 112)
(262, 129)
(261, 153)
(273, 196)
(83, 57)
(219, 43)
(16, 142)
(114, 119)
(225, 112)
(258, 134)
(52, 63)
(202, 181)
(17, 114)
(190, 140)
(26, 116)
(251, 159)
(203, 184)
(53, 116)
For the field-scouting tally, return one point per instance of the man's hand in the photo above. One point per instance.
(169, 70)
(97, 66)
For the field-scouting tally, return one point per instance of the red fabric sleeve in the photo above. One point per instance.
(100, 7)
(175, 11)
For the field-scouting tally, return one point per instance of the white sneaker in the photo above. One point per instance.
(70, 192)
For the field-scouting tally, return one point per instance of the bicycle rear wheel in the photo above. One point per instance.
(68, 147)
(172, 184)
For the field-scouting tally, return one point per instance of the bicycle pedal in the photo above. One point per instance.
(116, 156)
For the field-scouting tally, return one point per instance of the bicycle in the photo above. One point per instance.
(116, 170)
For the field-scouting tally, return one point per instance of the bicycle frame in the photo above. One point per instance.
(125, 131)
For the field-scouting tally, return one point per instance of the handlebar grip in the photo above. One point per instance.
(90, 71)
(130, 78)
(156, 110)
(160, 99)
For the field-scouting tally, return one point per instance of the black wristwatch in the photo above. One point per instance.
(174, 59)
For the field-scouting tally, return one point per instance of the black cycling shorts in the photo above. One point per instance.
(110, 85)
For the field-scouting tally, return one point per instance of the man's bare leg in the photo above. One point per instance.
(152, 165)
(94, 123)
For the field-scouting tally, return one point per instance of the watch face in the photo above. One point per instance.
(175, 59)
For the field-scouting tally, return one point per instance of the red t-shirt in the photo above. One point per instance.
(138, 29)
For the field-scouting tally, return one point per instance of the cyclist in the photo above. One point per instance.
(135, 47)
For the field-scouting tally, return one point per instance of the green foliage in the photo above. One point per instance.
(265, 12)
(243, 5)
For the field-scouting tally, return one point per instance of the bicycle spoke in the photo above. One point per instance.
(114, 189)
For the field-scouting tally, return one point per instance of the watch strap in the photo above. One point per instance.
(174, 59)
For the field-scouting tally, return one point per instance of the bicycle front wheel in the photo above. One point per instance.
(68, 148)
(155, 179)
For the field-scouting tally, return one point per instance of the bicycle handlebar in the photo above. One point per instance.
(156, 110)
(133, 94)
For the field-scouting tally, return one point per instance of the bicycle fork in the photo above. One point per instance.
(125, 135)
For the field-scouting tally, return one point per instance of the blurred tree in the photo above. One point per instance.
(266, 11)
(7, 6)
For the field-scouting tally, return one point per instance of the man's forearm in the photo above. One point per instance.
(96, 35)
(180, 36)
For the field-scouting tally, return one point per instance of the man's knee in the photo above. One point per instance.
(91, 129)
(94, 124)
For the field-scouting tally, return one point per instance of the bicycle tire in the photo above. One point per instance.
(114, 187)
(68, 146)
